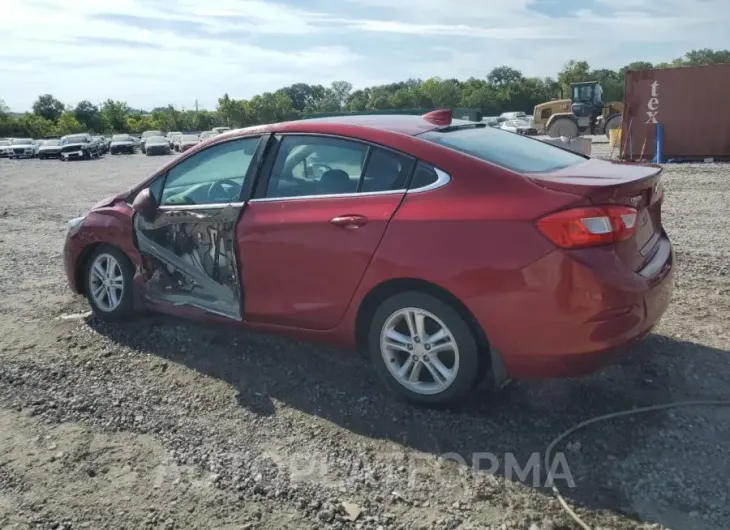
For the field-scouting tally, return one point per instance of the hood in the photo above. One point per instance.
(105, 202)
(123, 142)
(50, 147)
(21, 146)
(75, 144)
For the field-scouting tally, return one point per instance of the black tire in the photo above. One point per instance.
(563, 127)
(468, 372)
(125, 309)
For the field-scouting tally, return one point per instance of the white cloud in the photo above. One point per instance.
(152, 52)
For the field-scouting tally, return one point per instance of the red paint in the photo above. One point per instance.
(548, 311)
(298, 268)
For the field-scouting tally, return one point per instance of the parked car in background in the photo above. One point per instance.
(78, 146)
(4, 146)
(37, 146)
(549, 262)
(157, 145)
(102, 143)
(121, 143)
(207, 134)
(519, 127)
(219, 130)
(513, 115)
(49, 149)
(21, 148)
(170, 137)
(146, 135)
(185, 142)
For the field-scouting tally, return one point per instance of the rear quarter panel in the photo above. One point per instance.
(472, 237)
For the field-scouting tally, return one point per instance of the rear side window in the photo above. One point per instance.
(505, 149)
(385, 171)
(423, 176)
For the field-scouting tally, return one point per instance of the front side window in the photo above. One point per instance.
(316, 165)
(213, 176)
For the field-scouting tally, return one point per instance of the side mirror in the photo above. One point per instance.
(145, 204)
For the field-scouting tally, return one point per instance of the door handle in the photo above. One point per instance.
(350, 222)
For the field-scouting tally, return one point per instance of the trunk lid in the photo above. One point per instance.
(604, 182)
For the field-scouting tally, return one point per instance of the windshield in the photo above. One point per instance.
(147, 134)
(76, 139)
(505, 149)
(156, 140)
(174, 133)
(22, 141)
(52, 142)
(121, 138)
(189, 138)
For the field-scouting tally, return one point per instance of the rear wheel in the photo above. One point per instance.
(423, 351)
(563, 127)
(109, 276)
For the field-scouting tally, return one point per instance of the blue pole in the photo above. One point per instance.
(659, 143)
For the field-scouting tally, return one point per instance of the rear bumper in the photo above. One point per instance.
(158, 150)
(122, 149)
(576, 312)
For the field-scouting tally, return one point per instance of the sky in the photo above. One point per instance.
(156, 52)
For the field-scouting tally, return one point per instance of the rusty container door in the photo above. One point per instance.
(692, 104)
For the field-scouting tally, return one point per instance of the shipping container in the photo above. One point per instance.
(692, 106)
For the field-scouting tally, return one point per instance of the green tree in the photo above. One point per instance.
(341, 91)
(503, 76)
(704, 57)
(573, 72)
(88, 115)
(115, 114)
(48, 107)
(35, 126)
(68, 124)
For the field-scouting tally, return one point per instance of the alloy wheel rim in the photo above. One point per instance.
(419, 350)
(106, 282)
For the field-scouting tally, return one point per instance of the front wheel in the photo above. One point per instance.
(109, 277)
(423, 350)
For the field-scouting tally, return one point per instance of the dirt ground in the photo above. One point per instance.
(163, 423)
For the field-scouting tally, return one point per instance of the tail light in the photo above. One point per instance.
(589, 227)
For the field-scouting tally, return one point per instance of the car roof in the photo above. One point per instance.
(398, 123)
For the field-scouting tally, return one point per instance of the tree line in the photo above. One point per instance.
(503, 89)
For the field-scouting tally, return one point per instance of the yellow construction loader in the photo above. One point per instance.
(584, 113)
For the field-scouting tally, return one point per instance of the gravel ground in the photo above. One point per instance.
(163, 423)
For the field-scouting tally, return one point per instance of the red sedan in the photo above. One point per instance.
(443, 250)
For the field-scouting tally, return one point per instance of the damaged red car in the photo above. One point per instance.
(445, 251)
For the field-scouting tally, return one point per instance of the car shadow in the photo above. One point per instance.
(519, 421)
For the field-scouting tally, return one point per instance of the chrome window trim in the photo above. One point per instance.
(329, 196)
(206, 206)
(442, 179)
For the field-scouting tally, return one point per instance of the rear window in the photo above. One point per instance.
(505, 149)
